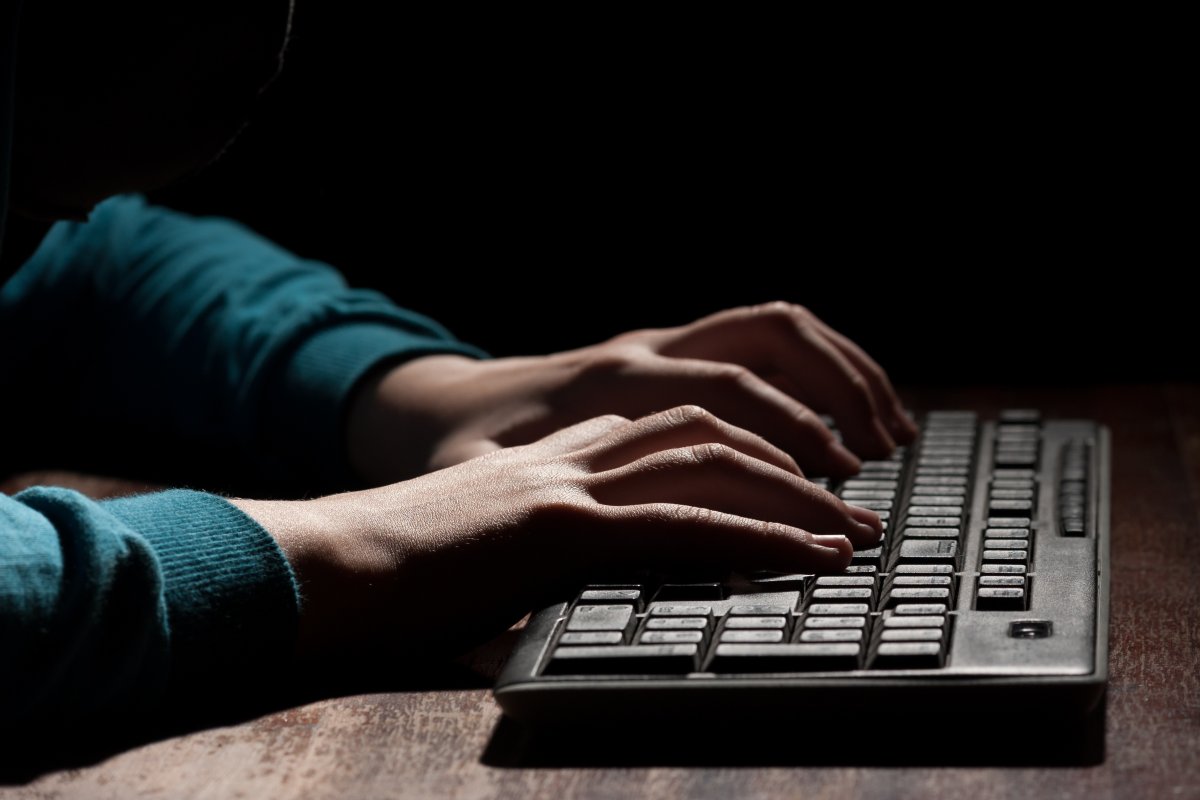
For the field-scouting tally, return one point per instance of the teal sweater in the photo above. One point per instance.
(170, 333)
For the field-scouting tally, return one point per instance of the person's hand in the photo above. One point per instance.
(444, 560)
(769, 369)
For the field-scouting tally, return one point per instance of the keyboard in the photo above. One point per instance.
(987, 593)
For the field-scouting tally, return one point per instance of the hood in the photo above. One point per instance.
(10, 13)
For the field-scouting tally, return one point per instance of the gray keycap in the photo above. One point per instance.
(907, 655)
(671, 637)
(758, 623)
(911, 635)
(831, 635)
(590, 637)
(751, 637)
(676, 624)
(600, 618)
(928, 551)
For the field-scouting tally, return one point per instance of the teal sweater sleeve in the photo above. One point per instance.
(108, 607)
(171, 335)
(144, 335)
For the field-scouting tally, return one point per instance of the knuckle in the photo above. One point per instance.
(612, 359)
(714, 453)
(733, 375)
(687, 415)
(861, 388)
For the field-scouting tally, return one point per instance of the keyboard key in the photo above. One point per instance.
(850, 495)
(842, 594)
(940, 480)
(1000, 599)
(920, 609)
(872, 557)
(835, 622)
(611, 595)
(672, 610)
(590, 638)
(600, 618)
(1020, 415)
(911, 635)
(1014, 484)
(845, 581)
(924, 569)
(1003, 473)
(1003, 569)
(907, 655)
(752, 637)
(1000, 508)
(1006, 555)
(677, 624)
(1006, 544)
(671, 637)
(928, 551)
(831, 635)
(943, 581)
(1009, 522)
(934, 510)
(940, 491)
(1006, 533)
(942, 471)
(759, 611)
(838, 609)
(798, 657)
(873, 505)
(1002, 580)
(902, 621)
(1011, 494)
(859, 483)
(757, 623)
(935, 522)
(638, 659)
(933, 533)
(918, 594)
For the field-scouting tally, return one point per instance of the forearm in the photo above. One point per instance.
(110, 607)
(160, 334)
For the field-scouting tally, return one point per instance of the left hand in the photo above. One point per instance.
(768, 369)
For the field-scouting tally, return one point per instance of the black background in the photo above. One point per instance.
(537, 184)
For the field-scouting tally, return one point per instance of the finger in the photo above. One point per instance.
(781, 338)
(679, 427)
(675, 535)
(720, 478)
(887, 402)
(740, 398)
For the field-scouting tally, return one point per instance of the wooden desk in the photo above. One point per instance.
(443, 742)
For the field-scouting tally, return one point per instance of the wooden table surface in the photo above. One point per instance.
(422, 740)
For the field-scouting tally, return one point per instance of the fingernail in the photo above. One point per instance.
(844, 456)
(839, 544)
(870, 530)
(882, 430)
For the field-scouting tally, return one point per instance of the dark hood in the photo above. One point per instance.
(10, 12)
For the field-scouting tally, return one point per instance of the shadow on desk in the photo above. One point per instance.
(29, 753)
(933, 740)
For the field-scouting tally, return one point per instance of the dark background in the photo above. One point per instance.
(542, 184)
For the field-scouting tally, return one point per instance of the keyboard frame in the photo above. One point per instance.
(569, 700)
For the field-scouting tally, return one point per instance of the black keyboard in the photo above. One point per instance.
(987, 592)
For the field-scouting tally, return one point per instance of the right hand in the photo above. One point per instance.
(446, 560)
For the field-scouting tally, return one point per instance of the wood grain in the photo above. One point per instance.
(431, 742)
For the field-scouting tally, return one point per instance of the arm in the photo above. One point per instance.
(154, 335)
(107, 607)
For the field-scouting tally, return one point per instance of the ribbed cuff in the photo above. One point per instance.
(232, 600)
(307, 409)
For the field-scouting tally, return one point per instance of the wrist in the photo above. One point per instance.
(397, 416)
(324, 544)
